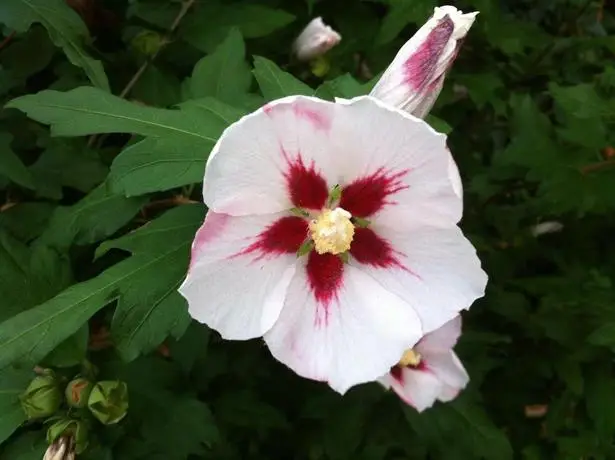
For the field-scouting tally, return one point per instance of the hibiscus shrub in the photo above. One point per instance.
(111, 108)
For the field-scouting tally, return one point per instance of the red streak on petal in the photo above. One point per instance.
(367, 195)
(324, 274)
(307, 188)
(397, 374)
(397, 370)
(284, 236)
(369, 249)
(420, 67)
(317, 119)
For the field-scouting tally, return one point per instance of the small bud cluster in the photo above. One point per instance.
(71, 415)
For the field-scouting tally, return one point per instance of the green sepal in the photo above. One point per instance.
(335, 195)
(360, 222)
(305, 248)
(299, 212)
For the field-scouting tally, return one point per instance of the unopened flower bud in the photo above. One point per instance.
(42, 398)
(76, 431)
(148, 42)
(61, 449)
(315, 40)
(77, 392)
(414, 79)
(108, 401)
(546, 227)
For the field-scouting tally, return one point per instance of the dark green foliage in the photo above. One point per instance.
(97, 188)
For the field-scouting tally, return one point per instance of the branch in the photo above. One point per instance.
(186, 5)
(165, 40)
(7, 40)
(597, 166)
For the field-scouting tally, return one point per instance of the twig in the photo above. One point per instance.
(597, 166)
(165, 40)
(7, 40)
(186, 5)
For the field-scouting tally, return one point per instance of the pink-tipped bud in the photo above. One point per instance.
(316, 39)
(415, 77)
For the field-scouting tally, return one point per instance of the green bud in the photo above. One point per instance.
(148, 42)
(74, 430)
(42, 398)
(320, 66)
(77, 392)
(108, 401)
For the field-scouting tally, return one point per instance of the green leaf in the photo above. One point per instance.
(88, 110)
(604, 335)
(158, 262)
(438, 124)
(26, 221)
(68, 164)
(275, 83)
(28, 446)
(100, 214)
(211, 22)
(344, 86)
(599, 390)
(241, 407)
(12, 383)
(25, 57)
(65, 28)
(402, 13)
(190, 347)
(580, 101)
(157, 13)
(10, 164)
(157, 87)
(29, 275)
(139, 326)
(164, 163)
(461, 427)
(224, 74)
(187, 421)
(346, 424)
(143, 328)
(71, 352)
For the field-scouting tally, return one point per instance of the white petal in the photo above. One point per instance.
(449, 370)
(248, 169)
(404, 156)
(436, 271)
(316, 39)
(419, 389)
(546, 227)
(414, 79)
(353, 339)
(443, 339)
(454, 176)
(234, 285)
